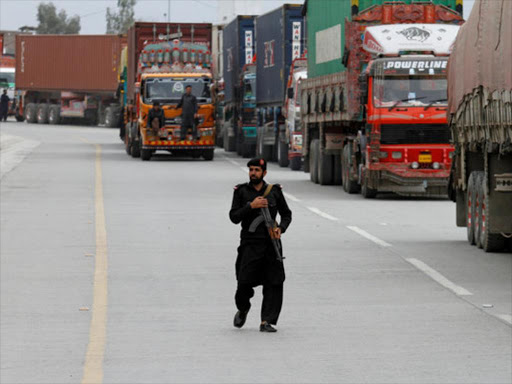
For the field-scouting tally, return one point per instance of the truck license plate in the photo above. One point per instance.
(425, 158)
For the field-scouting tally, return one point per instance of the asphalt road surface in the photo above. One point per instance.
(116, 270)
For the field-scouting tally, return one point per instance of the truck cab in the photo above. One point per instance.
(247, 118)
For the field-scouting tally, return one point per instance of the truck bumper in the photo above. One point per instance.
(173, 145)
(410, 182)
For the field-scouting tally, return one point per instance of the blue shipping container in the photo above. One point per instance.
(280, 38)
(238, 41)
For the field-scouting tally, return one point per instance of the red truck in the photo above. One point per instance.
(379, 124)
(67, 77)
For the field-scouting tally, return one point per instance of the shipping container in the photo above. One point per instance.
(326, 27)
(280, 39)
(239, 50)
(142, 33)
(72, 63)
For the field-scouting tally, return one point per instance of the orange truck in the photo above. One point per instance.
(163, 59)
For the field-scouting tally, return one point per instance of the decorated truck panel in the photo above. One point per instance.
(480, 116)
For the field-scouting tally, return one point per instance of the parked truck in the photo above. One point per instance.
(480, 116)
(280, 39)
(239, 82)
(163, 59)
(290, 154)
(71, 77)
(373, 106)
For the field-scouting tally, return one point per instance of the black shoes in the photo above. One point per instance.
(240, 318)
(266, 327)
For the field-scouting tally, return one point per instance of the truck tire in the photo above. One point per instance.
(54, 115)
(490, 242)
(367, 192)
(470, 214)
(208, 154)
(19, 117)
(135, 149)
(42, 114)
(337, 177)
(31, 113)
(350, 186)
(325, 168)
(295, 163)
(314, 149)
(282, 154)
(91, 117)
(248, 150)
(145, 154)
(127, 144)
(479, 201)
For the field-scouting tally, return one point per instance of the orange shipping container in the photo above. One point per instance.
(74, 63)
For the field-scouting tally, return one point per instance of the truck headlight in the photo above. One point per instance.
(436, 165)
(415, 165)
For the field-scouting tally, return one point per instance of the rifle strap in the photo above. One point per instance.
(267, 191)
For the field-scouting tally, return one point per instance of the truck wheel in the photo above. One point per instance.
(135, 149)
(314, 148)
(470, 214)
(325, 168)
(479, 201)
(337, 170)
(145, 154)
(208, 154)
(248, 150)
(42, 114)
(19, 117)
(295, 163)
(350, 186)
(31, 113)
(239, 146)
(282, 154)
(91, 117)
(367, 192)
(54, 115)
(127, 144)
(490, 242)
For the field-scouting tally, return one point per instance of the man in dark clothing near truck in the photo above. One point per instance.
(257, 263)
(4, 106)
(156, 118)
(189, 106)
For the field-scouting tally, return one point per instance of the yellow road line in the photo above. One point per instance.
(93, 367)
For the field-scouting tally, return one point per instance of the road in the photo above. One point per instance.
(116, 270)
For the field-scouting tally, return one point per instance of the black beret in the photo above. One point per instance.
(258, 162)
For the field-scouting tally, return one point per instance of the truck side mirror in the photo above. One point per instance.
(290, 93)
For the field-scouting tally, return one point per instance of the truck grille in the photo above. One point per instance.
(414, 134)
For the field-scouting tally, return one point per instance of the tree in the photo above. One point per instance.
(51, 22)
(120, 21)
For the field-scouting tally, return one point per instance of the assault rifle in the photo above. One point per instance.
(271, 225)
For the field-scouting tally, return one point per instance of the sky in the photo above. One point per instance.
(17, 13)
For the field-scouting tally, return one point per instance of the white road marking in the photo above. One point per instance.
(436, 276)
(323, 214)
(369, 236)
(507, 318)
(291, 197)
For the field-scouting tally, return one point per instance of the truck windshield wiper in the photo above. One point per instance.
(408, 99)
(433, 102)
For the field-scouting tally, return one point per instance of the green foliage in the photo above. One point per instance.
(120, 21)
(51, 22)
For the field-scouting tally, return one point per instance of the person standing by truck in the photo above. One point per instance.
(156, 118)
(256, 263)
(188, 103)
(4, 106)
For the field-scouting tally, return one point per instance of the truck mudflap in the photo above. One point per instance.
(408, 182)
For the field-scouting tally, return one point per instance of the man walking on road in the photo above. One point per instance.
(4, 106)
(188, 103)
(256, 262)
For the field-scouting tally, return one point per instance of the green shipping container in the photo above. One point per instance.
(325, 27)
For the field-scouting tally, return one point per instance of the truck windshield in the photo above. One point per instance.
(409, 91)
(250, 89)
(170, 90)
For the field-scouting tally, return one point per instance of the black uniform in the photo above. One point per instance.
(256, 263)
(188, 103)
(4, 106)
(154, 114)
